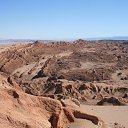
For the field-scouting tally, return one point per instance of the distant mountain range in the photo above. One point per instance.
(109, 38)
(13, 41)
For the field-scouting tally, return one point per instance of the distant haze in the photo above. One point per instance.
(13, 41)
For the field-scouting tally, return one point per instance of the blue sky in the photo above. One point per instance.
(63, 19)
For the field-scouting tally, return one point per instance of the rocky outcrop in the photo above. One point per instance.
(111, 100)
(26, 111)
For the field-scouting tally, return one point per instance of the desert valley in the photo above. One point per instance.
(58, 84)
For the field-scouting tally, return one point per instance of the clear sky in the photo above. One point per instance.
(63, 19)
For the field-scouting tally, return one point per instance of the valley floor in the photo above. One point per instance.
(110, 114)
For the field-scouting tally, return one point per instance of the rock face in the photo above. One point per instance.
(111, 100)
(20, 110)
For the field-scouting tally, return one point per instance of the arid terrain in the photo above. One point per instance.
(80, 84)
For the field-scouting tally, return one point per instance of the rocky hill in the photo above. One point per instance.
(87, 71)
(38, 78)
(21, 110)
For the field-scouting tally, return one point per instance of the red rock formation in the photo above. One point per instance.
(20, 110)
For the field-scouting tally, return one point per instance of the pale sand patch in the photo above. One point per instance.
(82, 123)
(117, 77)
(90, 65)
(67, 53)
(109, 114)
(4, 47)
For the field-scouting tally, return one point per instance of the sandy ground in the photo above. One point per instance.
(81, 123)
(109, 114)
(3, 47)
